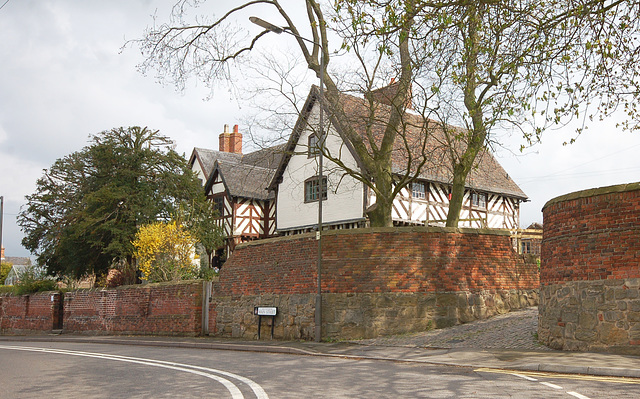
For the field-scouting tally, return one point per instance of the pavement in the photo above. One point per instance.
(506, 342)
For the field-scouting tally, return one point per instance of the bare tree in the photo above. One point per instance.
(479, 65)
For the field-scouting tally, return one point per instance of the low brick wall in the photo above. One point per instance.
(590, 273)
(163, 309)
(28, 313)
(374, 282)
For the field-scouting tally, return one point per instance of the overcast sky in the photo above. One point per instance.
(64, 78)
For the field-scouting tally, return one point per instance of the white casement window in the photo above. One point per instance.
(479, 200)
(312, 189)
(418, 190)
(312, 146)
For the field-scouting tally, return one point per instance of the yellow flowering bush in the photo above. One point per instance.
(165, 252)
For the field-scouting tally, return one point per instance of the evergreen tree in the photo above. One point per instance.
(88, 206)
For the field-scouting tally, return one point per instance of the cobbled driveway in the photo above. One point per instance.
(514, 330)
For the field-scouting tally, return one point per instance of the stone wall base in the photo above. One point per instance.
(360, 315)
(600, 315)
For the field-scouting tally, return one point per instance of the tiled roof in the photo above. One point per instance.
(247, 181)
(17, 260)
(245, 175)
(434, 152)
(208, 158)
(425, 141)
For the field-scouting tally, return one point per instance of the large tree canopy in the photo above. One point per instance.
(88, 206)
(476, 65)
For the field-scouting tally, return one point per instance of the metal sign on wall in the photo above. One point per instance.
(265, 310)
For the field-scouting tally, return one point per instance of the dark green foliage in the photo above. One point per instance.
(5, 268)
(33, 280)
(88, 205)
(6, 289)
(206, 228)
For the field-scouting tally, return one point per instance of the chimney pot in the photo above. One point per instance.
(235, 128)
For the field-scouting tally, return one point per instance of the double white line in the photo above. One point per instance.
(187, 368)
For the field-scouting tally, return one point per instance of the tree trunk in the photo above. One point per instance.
(475, 139)
(457, 196)
(380, 216)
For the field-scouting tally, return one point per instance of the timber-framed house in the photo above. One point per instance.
(275, 191)
(491, 200)
(237, 184)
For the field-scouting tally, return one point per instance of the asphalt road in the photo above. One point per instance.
(74, 370)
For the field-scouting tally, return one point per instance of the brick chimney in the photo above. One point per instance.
(235, 141)
(230, 142)
(223, 143)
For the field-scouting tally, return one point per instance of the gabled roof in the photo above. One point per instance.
(487, 175)
(242, 180)
(207, 158)
(244, 175)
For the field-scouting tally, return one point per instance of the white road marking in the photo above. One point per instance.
(232, 388)
(524, 376)
(550, 385)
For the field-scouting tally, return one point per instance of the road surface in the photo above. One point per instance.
(76, 370)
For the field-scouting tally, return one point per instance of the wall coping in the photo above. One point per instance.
(593, 192)
(43, 293)
(138, 286)
(368, 230)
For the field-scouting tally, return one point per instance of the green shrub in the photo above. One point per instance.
(32, 281)
(5, 268)
(6, 289)
(207, 273)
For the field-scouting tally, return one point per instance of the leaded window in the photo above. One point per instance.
(312, 189)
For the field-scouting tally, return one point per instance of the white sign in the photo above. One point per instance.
(265, 310)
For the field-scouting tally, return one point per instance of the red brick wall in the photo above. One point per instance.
(28, 312)
(172, 308)
(592, 235)
(379, 260)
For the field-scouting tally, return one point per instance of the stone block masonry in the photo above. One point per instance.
(374, 282)
(590, 271)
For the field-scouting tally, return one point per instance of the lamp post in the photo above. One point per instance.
(321, 188)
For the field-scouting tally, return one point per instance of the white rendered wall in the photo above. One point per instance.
(345, 194)
(198, 171)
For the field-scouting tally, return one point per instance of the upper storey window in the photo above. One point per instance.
(312, 189)
(418, 190)
(479, 200)
(313, 146)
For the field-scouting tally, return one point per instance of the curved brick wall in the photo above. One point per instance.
(379, 260)
(374, 281)
(590, 271)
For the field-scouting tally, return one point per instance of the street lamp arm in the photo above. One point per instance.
(267, 25)
(277, 29)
